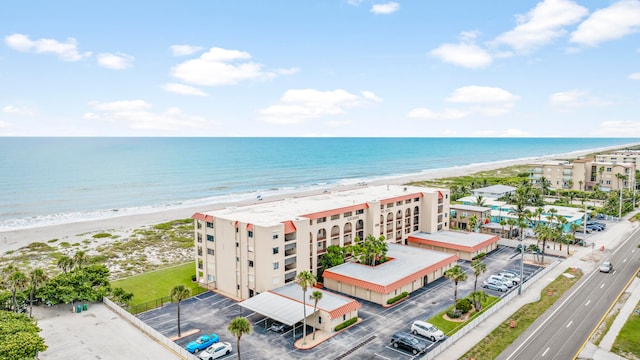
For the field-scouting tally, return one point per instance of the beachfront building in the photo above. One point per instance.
(408, 269)
(461, 215)
(583, 174)
(493, 191)
(620, 157)
(243, 251)
(464, 245)
(284, 305)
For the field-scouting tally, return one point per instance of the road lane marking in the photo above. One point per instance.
(588, 302)
(601, 286)
(545, 352)
(625, 260)
(570, 322)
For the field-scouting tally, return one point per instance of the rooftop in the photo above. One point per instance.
(468, 207)
(495, 189)
(455, 237)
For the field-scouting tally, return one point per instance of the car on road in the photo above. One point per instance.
(606, 267)
(508, 275)
(216, 351)
(494, 285)
(406, 341)
(427, 330)
(202, 343)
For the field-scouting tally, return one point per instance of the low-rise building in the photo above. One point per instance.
(461, 215)
(494, 191)
(464, 245)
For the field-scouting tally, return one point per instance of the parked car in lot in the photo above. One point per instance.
(202, 343)
(508, 275)
(215, 351)
(502, 279)
(606, 267)
(277, 327)
(408, 342)
(494, 285)
(427, 330)
(594, 227)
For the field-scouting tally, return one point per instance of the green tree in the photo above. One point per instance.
(37, 277)
(370, 251)
(180, 292)
(503, 222)
(65, 263)
(17, 281)
(91, 283)
(473, 223)
(479, 200)
(80, 259)
(455, 274)
(511, 223)
(237, 327)
(305, 279)
(478, 268)
(479, 297)
(316, 296)
(600, 171)
(19, 337)
(333, 257)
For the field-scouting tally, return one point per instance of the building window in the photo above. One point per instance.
(276, 250)
(199, 250)
(321, 220)
(361, 211)
(210, 238)
(276, 265)
(335, 217)
(199, 224)
(416, 199)
(250, 248)
(209, 224)
(275, 236)
(237, 259)
(250, 263)
(237, 244)
(250, 233)
(348, 213)
(344, 317)
(608, 169)
(319, 319)
(399, 203)
(390, 205)
(199, 237)
(200, 264)
(210, 252)
(211, 278)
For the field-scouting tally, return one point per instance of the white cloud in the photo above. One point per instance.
(634, 76)
(618, 129)
(466, 55)
(446, 114)
(385, 9)
(575, 99)
(289, 71)
(299, 105)
(135, 114)
(14, 110)
(183, 50)
(481, 94)
(542, 25)
(219, 67)
(117, 61)
(67, 51)
(184, 89)
(618, 20)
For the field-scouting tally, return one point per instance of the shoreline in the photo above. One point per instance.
(126, 224)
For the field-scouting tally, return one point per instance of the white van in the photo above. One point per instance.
(427, 330)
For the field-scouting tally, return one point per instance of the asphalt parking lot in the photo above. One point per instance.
(370, 339)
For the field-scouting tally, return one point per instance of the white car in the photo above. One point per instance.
(427, 330)
(216, 351)
(510, 276)
(507, 282)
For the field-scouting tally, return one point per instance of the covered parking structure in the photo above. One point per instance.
(465, 245)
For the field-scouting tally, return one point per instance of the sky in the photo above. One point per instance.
(323, 68)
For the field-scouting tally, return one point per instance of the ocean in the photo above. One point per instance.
(47, 181)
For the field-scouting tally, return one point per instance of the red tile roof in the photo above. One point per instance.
(201, 216)
(341, 210)
(289, 227)
(401, 198)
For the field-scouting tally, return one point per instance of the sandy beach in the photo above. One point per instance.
(124, 225)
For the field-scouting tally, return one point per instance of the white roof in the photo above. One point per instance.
(455, 237)
(495, 189)
(468, 207)
(277, 307)
(329, 301)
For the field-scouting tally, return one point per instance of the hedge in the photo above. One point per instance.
(346, 324)
(479, 256)
(396, 298)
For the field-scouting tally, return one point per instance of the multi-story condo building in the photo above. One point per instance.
(620, 156)
(243, 251)
(583, 174)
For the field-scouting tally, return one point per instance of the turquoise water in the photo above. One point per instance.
(57, 180)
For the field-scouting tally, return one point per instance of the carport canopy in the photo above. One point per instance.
(276, 307)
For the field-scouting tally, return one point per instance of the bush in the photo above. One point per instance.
(479, 256)
(464, 305)
(193, 277)
(396, 298)
(346, 324)
(454, 314)
(101, 235)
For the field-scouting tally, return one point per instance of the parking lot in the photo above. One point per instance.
(370, 339)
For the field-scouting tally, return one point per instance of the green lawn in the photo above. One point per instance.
(627, 340)
(451, 327)
(156, 284)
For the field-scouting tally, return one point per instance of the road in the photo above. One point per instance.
(561, 332)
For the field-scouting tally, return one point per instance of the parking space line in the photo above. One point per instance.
(384, 357)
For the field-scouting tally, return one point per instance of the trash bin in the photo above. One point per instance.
(79, 308)
(73, 308)
(84, 307)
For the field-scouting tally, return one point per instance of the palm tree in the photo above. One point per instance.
(305, 279)
(456, 274)
(316, 295)
(600, 171)
(544, 185)
(473, 222)
(538, 213)
(503, 222)
(512, 223)
(574, 229)
(480, 200)
(562, 222)
(478, 268)
(580, 183)
(80, 259)
(16, 281)
(479, 296)
(238, 327)
(179, 292)
(65, 263)
(37, 277)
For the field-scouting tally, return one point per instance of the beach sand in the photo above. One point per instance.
(124, 225)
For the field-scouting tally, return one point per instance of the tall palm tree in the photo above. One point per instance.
(455, 274)
(80, 259)
(479, 296)
(537, 213)
(238, 327)
(478, 268)
(179, 292)
(503, 222)
(37, 277)
(580, 183)
(473, 222)
(305, 279)
(16, 281)
(600, 171)
(511, 223)
(562, 222)
(480, 200)
(574, 229)
(316, 296)
(65, 263)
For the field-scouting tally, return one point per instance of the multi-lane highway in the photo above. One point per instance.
(563, 330)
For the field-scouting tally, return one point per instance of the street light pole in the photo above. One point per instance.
(521, 267)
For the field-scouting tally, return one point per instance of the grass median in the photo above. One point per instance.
(627, 344)
(506, 333)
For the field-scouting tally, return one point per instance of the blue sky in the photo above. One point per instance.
(554, 68)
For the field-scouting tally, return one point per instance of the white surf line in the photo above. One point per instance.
(569, 324)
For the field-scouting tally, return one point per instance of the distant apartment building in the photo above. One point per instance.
(583, 174)
(493, 191)
(243, 251)
(620, 157)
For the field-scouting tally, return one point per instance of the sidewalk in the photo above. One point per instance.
(584, 258)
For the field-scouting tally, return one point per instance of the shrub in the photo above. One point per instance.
(101, 235)
(396, 298)
(454, 314)
(346, 324)
(479, 256)
(464, 305)
(193, 277)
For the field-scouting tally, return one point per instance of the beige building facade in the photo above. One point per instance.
(244, 251)
(584, 174)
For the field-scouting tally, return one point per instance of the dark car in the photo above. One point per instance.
(406, 341)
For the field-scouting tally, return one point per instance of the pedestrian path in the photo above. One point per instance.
(584, 258)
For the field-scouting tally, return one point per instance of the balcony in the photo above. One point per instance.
(290, 249)
(289, 237)
(289, 277)
(535, 171)
(567, 172)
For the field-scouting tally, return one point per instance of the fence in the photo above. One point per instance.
(156, 303)
(179, 350)
(482, 317)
